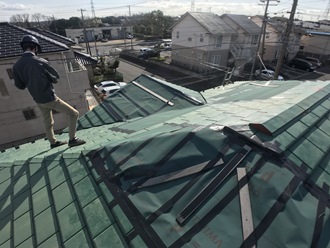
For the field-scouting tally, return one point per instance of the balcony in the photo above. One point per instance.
(240, 52)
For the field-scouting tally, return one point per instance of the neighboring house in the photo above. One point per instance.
(321, 25)
(244, 42)
(199, 39)
(316, 44)
(20, 117)
(83, 58)
(98, 33)
(316, 41)
(274, 36)
(162, 167)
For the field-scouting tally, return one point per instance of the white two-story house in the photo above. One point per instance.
(200, 40)
(244, 42)
(20, 118)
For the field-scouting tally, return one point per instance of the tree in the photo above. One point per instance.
(75, 22)
(153, 23)
(36, 18)
(115, 65)
(59, 26)
(20, 20)
(26, 19)
(111, 20)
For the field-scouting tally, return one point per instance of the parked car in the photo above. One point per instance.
(144, 49)
(107, 91)
(105, 84)
(302, 64)
(316, 62)
(168, 46)
(148, 53)
(266, 74)
(129, 36)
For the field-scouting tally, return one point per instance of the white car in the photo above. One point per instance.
(100, 86)
(266, 74)
(107, 91)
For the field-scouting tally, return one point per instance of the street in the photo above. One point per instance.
(131, 71)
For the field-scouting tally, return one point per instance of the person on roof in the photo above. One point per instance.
(36, 74)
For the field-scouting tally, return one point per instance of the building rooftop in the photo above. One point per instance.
(211, 22)
(11, 36)
(49, 41)
(65, 40)
(245, 23)
(162, 167)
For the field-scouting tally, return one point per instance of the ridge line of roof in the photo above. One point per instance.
(40, 36)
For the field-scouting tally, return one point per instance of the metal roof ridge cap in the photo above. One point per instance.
(263, 128)
(273, 148)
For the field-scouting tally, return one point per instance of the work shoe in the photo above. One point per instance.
(58, 143)
(76, 142)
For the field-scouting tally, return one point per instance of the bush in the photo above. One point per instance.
(105, 71)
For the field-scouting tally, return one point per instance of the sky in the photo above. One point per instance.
(309, 10)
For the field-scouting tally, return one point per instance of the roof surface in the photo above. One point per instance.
(50, 42)
(244, 22)
(169, 178)
(85, 59)
(211, 22)
(65, 40)
(11, 35)
(318, 32)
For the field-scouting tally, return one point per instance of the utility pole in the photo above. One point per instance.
(264, 26)
(130, 22)
(85, 33)
(286, 39)
(263, 34)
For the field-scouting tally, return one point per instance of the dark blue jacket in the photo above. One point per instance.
(37, 75)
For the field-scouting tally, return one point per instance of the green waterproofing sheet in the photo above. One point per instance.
(285, 212)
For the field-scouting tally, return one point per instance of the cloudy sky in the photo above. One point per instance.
(307, 9)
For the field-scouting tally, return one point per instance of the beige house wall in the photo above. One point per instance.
(274, 41)
(316, 44)
(71, 88)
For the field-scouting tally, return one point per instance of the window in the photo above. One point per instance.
(201, 39)
(29, 114)
(218, 41)
(177, 34)
(10, 73)
(216, 59)
(189, 39)
(3, 88)
(255, 39)
(200, 56)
